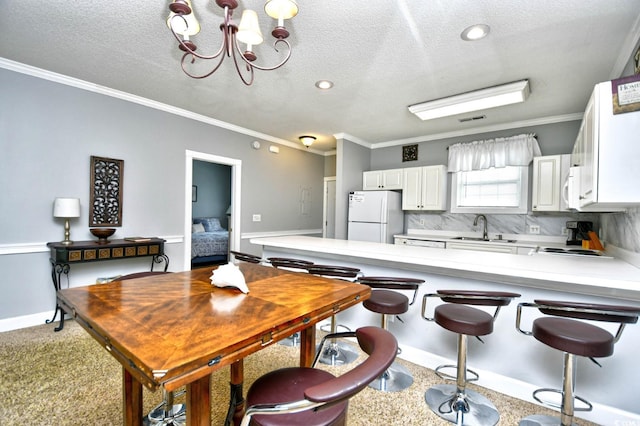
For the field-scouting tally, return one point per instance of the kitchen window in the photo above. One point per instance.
(493, 190)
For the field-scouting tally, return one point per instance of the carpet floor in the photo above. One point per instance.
(67, 378)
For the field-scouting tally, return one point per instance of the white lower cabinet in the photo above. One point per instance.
(425, 188)
(496, 248)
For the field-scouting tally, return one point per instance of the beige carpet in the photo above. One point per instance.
(67, 378)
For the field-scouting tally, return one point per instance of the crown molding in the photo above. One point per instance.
(128, 97)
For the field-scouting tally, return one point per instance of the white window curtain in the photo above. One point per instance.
(499, 152)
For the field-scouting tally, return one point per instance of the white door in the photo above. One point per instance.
(329, 211)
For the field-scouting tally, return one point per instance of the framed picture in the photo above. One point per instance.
(409, 153)
(105, 206)
(194, 193)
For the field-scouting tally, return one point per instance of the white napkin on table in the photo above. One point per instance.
(229, 275)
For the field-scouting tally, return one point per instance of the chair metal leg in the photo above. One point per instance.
(291, 341)
(457, 404)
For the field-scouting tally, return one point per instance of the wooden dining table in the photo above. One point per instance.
(174, 330)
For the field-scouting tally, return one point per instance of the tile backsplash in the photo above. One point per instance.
(619, 229)
(623, 229)
(549, 224)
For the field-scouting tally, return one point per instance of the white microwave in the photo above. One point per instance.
(571, 190)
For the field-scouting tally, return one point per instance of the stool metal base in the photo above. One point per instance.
(395, 379)
(291, 341)
(469, 408)
(541, 420)
(158, 417)
(338, 353)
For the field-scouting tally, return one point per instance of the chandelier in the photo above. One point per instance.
(183, 24)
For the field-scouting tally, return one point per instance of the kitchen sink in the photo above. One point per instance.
(483, 240)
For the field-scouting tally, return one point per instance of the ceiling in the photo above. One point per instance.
(382, 57)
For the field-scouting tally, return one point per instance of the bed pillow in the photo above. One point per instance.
(210, 224)
(197, 227)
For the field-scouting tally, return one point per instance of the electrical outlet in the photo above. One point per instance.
(564, 231)
(534, 229)
(422, 222)
(257, 217)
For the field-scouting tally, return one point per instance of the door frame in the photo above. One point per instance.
(234, 218)
(325, 207)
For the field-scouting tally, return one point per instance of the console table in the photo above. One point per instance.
(63, 256)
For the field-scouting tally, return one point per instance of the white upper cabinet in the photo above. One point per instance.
(382, 179)
(425, 188)
(549, 176)
(607, 153)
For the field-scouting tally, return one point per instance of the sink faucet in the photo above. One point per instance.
(485, 235)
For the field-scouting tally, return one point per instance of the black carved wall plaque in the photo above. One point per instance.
(105, 207)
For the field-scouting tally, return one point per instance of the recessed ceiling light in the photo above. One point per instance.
(324, 84)
(475, 32)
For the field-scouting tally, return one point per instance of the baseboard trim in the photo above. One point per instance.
(32, 320)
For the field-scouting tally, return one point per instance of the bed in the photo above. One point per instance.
(209, 241)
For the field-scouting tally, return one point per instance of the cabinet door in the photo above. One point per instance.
(412, 188)
(546, 184)
(588, 184)
(371, 180)
(483, 247)
(434, 188)
(392, 179)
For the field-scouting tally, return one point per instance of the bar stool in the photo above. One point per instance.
(385, 301)
(455, 403)
(246, 257)
(574, 338)
(336, 353)
(295, 265)
(165, 413)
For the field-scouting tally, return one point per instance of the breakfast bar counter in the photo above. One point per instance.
(608, 277)
(511, 363)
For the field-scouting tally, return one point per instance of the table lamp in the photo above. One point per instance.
(66, 208)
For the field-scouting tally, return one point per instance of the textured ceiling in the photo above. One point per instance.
(381, 55)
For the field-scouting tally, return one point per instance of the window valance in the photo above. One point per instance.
(499, 152)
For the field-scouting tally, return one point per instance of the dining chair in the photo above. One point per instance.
(308, 396)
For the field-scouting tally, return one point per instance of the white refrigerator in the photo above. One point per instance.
(375, 216)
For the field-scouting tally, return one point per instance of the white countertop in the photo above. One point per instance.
(583, 275)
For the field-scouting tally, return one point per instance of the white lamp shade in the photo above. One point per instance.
(66, 207)
(249, 29)
(185, 25)
(281, 9)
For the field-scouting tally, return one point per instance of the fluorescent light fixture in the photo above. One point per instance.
(473, 101)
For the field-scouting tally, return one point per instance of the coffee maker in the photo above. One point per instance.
(578, 231)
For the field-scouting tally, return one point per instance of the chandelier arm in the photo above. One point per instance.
(263, 68)
(248, 64)
(184, 69)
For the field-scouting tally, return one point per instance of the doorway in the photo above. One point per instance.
(234, 213)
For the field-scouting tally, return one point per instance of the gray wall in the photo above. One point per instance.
(352, 160)
(48, 131)
(213, 182)
(557, 138)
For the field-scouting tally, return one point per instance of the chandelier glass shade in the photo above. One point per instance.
(183, 24)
